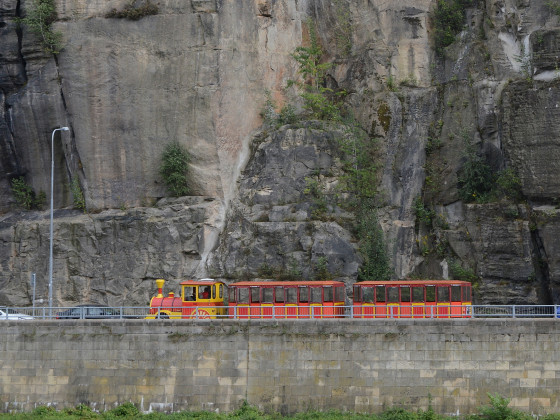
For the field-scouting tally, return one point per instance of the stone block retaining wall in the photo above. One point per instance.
(284, 365)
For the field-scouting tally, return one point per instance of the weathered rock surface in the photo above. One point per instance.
(111, 257)
(197, 73)
(273, 228)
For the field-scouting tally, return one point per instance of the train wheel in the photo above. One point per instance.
(202, 314)
(163, 316)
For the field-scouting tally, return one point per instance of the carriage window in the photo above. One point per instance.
(328, 294)
(255, 294)
(304, 294)
(243, 295)
(418, 294)
(220, 291)
(368, 294)
(231, 295)
(189, 293)
(392, 294)
(316, 295)
(357, 295)
(291, 295)
(339, 294)
(466, 293)
(380, 293)
(443, 293)
(456, 293)
(279, 294)
(405, 293)
(267, 295)
(430, 293)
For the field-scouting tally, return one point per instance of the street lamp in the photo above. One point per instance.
(52, 204)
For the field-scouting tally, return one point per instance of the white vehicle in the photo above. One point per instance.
(6, 313)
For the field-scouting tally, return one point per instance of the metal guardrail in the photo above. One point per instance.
(289, 312)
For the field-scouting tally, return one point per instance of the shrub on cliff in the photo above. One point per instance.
(39, 16)
(320, 102)
(175, 168)
(448, 18)
(133, 13)
(25, 196)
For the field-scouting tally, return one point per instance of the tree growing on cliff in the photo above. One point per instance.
(39, 17)
(175, 168)
(318, 100)
(448, 18)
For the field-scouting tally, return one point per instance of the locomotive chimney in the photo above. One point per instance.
(159, 283)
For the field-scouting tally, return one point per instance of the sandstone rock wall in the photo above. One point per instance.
(197, 72)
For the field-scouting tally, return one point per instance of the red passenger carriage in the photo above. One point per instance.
(286, 299)
(412, 299)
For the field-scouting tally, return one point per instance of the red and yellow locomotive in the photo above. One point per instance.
(199, 299)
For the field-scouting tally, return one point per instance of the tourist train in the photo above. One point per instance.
(314, 299)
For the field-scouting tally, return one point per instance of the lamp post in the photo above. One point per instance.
(52, 205)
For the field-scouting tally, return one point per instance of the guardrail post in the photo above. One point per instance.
(513, 311)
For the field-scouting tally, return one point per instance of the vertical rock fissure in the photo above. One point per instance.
(71, 155)
(10, 161)
(19, 33)
(540, 264)
(9, 158)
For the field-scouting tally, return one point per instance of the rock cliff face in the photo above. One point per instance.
(197, 73)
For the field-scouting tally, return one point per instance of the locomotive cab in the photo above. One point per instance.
(200, 299)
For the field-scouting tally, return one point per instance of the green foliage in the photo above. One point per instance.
(39, 17)
(508, 184)
(247, 412)
(360, 164)
(460, 273)
(309, 59)
(478, 183)
(82, 411)
(43, 410)
(423, 213)
(343, 26)
(25, 196)
(126, 410)
(174, 169)
(292, 272)
(133, 13)
(398, 414)
(372, 246)
(268, 113)
(287, 115)
(319, 101)
(271, 118)
(78, 194)
(321, 269)
(320, 205)
(499, 410)
(320, 105)
(391, 85)
(266, 270)
(554, 6)
(449, 17)
(475, 180)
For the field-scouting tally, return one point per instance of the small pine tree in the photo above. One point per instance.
(174, 169)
